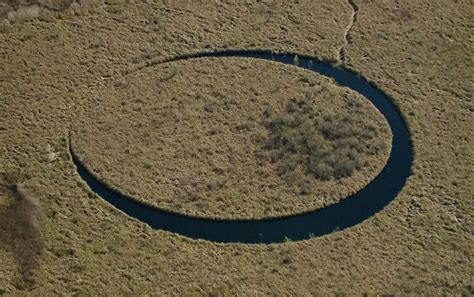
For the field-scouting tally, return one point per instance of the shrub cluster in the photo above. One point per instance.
(324, 145)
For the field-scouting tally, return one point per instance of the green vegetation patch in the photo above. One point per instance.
(323, 145)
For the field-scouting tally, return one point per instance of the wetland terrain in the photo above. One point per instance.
(232, 138)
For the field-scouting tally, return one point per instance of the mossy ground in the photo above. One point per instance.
(419, 52)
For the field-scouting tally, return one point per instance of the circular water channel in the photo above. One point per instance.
(344, 214)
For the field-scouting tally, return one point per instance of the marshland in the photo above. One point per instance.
(206, 137)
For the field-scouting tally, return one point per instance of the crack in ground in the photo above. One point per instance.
(347, 37)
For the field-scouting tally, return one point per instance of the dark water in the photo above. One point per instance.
(347, 213)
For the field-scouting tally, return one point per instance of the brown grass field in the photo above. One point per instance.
(56, 63)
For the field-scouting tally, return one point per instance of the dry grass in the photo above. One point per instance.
(19, 11)
(20, 230)
(196, 141)
(420, 244)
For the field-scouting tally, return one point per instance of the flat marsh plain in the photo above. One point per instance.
(53, 69)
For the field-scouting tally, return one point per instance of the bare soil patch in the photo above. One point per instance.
(20, 230)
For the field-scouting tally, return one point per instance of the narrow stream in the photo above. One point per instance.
(347, 213)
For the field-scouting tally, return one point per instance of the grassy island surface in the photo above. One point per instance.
(232, 138)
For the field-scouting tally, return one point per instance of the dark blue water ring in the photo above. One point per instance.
(344, 214)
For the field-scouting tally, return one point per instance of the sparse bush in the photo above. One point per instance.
(344, 168)
(147, 164)
(322, 171)
(326, 146)
(268, 111)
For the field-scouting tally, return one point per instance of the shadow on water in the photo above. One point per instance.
(347, 213)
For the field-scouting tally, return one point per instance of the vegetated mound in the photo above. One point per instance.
(309, 143)
(20, 229)
(232, 138)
